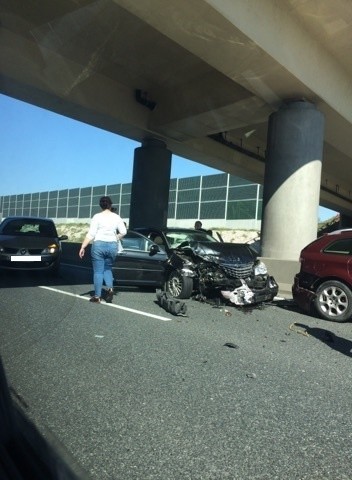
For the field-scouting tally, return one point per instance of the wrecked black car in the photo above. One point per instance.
(200, 264)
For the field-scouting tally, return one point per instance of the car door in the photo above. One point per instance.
(140, 262)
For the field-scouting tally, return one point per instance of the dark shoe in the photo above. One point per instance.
(95, 299)
(109, 295)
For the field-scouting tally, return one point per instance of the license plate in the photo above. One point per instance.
(26, 258)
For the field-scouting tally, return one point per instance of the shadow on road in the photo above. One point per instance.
(69, 275)
(291, 306)
(335, 342)
(21, 279)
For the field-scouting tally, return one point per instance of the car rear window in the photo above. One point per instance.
(342, 247)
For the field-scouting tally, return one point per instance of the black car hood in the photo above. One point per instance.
(229, 253)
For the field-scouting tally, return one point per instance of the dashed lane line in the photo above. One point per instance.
(111, 305)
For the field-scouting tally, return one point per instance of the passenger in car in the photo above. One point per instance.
(157, 239)
(199, 226)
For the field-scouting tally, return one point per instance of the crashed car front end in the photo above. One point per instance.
(230, 270)
(241, 284)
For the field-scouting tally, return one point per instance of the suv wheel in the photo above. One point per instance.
(178, 285)
(334, 301)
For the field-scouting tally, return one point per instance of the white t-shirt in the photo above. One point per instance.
(105, 225)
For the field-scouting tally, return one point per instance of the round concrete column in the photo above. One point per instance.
(292, 180)
(150, 185)
(345, 221)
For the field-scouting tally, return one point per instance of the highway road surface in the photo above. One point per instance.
(129, 391)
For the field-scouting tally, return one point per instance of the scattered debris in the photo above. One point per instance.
(231, 345)
(251, 375)
(242, 295)
(298, 330)
(171, 304)
(200, 298)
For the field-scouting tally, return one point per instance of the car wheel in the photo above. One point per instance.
(178, 285)
(334, 301)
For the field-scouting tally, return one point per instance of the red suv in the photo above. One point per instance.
(324, 283)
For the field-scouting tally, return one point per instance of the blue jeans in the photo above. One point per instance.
(103, 256)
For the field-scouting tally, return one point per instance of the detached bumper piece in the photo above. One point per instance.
(171, 304)
(244, 295)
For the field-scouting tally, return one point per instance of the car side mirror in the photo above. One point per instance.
(154, 249)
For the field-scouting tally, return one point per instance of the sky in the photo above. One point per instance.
(43, 151)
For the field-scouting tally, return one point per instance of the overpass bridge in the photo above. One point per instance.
(261, 90)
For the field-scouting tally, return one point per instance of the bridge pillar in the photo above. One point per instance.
(150, 184)
(345, 221)
(291, 182)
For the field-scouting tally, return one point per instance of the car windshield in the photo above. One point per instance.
(176, 237)
(25, 227)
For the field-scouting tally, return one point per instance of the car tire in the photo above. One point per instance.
(178, 285)
(334, 301)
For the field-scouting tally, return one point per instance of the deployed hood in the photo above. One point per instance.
(229, 253)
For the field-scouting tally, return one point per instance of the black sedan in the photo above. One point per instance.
(30, 243)
(187, 261)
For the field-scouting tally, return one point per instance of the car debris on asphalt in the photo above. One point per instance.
(171, 304)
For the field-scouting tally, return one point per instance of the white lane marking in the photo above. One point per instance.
(119, 307)
(76, 266)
